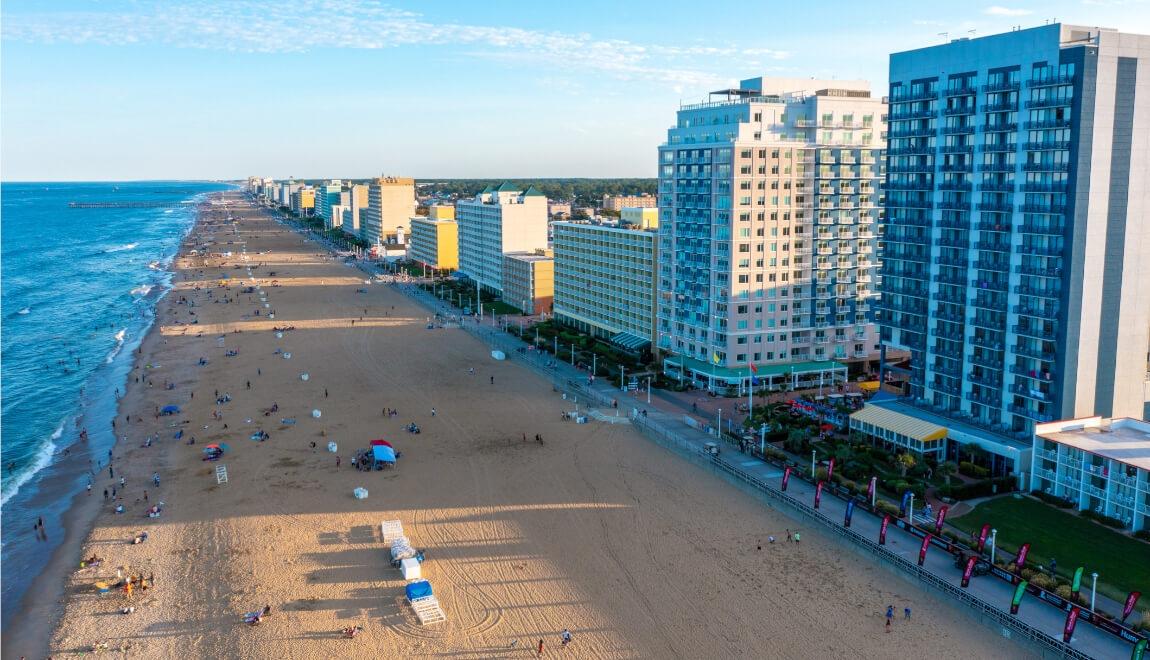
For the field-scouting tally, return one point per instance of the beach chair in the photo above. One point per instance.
(427, 610)
(221, 474)
(391, 529)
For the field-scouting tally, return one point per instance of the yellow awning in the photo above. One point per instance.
(896, 422)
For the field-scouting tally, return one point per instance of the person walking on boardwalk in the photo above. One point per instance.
(539, 650)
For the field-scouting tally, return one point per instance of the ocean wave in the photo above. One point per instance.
(119, 345)
(122, 248)
(40, 461)
(142, 290)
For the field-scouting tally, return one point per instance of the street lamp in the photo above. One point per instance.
(993, 544)
(1093, 589)
(648, 389)
(720, 421)
(622, 374)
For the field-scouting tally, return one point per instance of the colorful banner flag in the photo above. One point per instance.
(818, 493)
(940, 518)
(850, 512)
(786, 478)
(1130, 601)
(715, 358)
(1076, 583)
(1020, 561)
(1019, 592)
(982, 538)
(969, 570)
(904, 504)
(882, 529)
(870, 489)
(831, 469)
(1071, 621)
(1140, 650)
(922, 550)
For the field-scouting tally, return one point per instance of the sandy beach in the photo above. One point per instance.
(596, 529)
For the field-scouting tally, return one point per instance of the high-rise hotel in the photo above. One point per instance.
(769, 195)
(1016, 257)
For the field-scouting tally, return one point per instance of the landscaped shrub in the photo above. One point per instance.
(886, 507)
(1042, 581)
(1105, 520)
(1052, 500)
(971, 470)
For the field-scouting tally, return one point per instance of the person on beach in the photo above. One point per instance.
(565, 636)
(539, 649)
(888, 625)
(337, 462)
(906, 612)
(889, 613)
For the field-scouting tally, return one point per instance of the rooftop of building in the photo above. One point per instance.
(1066, 35)
(630, 229)
(1123, 439)
(434, 221)
(537, 255)
(907, 408)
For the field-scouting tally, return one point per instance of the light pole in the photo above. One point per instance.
(622, 375)
(648, 389)
(594, 363)
(719, 428)
(812, 464)
(556, 346)
(572, 353)
(993, 544)
(1093, 589)
(763, 440)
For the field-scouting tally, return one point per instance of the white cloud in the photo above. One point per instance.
(998, 10)
(306, 25)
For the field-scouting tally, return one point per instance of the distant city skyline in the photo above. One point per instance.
(349, 88)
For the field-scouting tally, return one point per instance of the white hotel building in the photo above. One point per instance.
(768, 197)
(494, 222)
(1101, 465)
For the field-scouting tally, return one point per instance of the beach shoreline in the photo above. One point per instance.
(41, 605)
(592, 528)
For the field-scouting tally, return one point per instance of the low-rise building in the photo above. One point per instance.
(441, 212)
(529, 280)
(303, 201)
(620, 202)
(1096, 464)
(605, 281)
(434, 243)
(640, 217)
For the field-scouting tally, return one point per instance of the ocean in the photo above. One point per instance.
(79, 287)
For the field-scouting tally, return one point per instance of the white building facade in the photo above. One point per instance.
(1096, 464)
(768, 201)
(494, 222)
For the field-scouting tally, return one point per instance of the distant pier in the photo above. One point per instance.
(126, 205)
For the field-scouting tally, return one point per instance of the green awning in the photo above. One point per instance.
(764, 370)
(630, 341)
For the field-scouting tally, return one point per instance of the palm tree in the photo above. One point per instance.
(947, 469)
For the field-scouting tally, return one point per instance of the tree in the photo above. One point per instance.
(947, 469)
(905, 462)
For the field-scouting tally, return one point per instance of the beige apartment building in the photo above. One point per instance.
(529, 280)
(620, 202)
(495, 222)
(605, 281)
(769, 195)
(434, 243)
(390, 205)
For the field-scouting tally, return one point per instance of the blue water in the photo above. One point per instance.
(78, 292)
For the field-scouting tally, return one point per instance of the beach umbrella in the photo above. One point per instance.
(316, 413)
(380, 441)
(170, 409)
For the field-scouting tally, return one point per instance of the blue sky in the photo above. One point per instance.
(350, 88)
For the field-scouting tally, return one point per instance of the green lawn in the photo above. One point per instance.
(1122, 563)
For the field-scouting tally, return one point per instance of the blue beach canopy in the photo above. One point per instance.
(383, 453)
(170, 409)
(418, 589)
